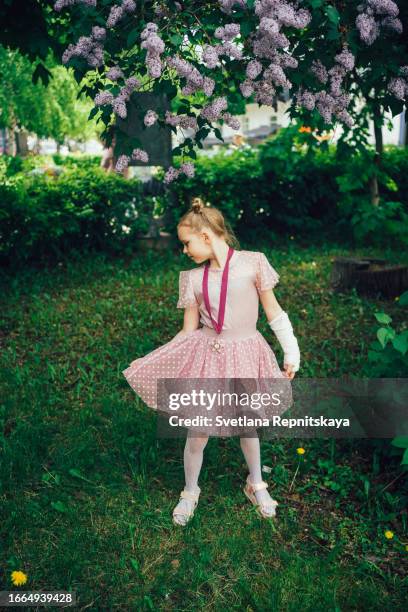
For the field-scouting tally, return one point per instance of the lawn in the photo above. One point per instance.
(87, 488)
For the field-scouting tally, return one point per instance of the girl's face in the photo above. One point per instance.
(197, 245)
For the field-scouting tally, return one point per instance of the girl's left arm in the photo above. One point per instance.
(283, 331)
(270, 304)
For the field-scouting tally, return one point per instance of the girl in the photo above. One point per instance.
(223, 295)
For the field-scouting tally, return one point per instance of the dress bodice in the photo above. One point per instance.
(249, 273)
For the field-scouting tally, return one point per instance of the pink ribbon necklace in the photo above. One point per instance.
(223, 294)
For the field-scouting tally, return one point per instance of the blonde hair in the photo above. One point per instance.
(200, 215)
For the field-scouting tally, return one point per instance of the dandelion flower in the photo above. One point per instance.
(18, 578)
(300, 451)
(389, 534)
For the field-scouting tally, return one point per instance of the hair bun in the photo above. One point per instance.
(197, 205)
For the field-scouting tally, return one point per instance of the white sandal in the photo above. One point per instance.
(267, 509)
(181, 517)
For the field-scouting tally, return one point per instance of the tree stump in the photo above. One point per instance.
(370, 277)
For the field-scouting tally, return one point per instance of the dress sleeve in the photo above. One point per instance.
(266, 276)
(186, 291)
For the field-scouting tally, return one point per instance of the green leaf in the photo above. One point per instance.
(405, 458)
(246, 27)
(133, 37)
(202, 133)
(168, 88)
(333, 34)
(59, 506)
(384, 334)
(73, 472)
(41, 72)
(176, 39)
(396, 106)
(149, 602)
(93, 112)
(51, 477)
(400, 442)
(333, 14)
(382, 317)
(403, 301)
(400, 342)
(218, 134)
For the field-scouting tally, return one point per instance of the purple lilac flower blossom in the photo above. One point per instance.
(129, 6)
(346, 59)
(114, 73)
(247, 89)
(140, 155)
(368, 28)
(212, 111)
(150, 118)
(188, 169)
(60, 4)
(398, 87)
(231, 121)
(122, 163)
(103, 97)
(171, 174)
(115, 15)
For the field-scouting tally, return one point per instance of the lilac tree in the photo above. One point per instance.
(211, 57)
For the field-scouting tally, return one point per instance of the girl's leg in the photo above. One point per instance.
(193, 460)
(252, 453)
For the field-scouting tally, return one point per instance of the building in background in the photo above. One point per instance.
(260, 122)
(257, 124)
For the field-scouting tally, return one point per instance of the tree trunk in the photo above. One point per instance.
(11, 148)
(21, 143)
(374, 192)
(379, 144)
(379, 149)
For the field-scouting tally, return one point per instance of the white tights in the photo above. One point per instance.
(193, 460)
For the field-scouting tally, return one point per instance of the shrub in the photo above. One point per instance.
(80, 210)
(285, 186)
(387, 358)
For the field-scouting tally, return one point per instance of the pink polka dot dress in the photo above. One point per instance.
(238, 352)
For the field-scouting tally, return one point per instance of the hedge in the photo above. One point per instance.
(274, 190)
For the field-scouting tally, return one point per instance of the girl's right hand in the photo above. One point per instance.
(289, 371)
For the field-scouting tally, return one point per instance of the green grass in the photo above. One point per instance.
(87, 489)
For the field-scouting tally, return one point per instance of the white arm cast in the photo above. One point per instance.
(283, 330)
